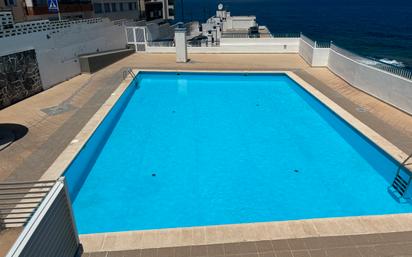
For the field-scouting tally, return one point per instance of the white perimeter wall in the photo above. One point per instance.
(57, 55)
(316, 57)
(306, 51)
(386, 86)
(241, 45)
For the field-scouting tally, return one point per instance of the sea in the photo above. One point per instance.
(380, 29)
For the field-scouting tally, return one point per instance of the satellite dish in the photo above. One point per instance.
(220, 7)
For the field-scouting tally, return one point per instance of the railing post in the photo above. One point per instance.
(69, 206)
(135, 39)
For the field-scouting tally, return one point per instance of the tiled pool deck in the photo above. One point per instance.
(78, 99)
(370, 245)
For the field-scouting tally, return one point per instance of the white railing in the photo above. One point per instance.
(19, 200)
(51, 230)
(399, 71)
(268, 35)
(161, 44)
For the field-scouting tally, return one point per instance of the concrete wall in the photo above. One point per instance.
(306, 51)
(316, 57)
(320, 57)
(19, 77)
(239, 22)
(51, 231)
(57, 54)
(388, 87)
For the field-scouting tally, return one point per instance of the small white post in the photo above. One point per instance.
(181, 45)
(135, 39)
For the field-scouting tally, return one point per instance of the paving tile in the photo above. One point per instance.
(283, 254)
(98, 254)
(313, 243)
(215, 250)
(368, 251)
(369, 239)
(198, 251)
(264, 246)
(267, 254)
(343, 252)
(300, 253)
(280, 245)
(240, 248)
(318, 253)
(166, 252)
(247, 247)
(148, 253)
(297, 244)
(115, 254)
(396, 237)
(132, 253)
(249, 255)
(183, 251)
(336, 241)
(394, 249)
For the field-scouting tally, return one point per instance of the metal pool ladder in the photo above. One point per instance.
(130, 72)
(401, 184)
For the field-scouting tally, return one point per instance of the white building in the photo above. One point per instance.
(224, 24)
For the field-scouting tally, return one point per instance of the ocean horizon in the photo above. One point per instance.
(372, 28)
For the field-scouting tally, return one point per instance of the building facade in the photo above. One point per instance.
(26, 10)
(117, 9)
(158, 9)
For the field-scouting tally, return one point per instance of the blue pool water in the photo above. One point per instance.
(207, 149)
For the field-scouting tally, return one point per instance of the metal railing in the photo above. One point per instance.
(322, 44)
(372, 62)
(161, 44)
(50, 231)
(264, 35)
(235, 35)
(307, 40)
(19, 200)
(286, 35)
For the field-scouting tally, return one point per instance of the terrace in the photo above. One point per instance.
(54, 118)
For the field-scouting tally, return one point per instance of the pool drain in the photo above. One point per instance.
(153, 174)
(296, 171)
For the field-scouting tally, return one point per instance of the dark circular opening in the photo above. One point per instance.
(10, 133)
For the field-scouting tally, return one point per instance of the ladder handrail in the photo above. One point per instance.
(403, 164)
(130, 72)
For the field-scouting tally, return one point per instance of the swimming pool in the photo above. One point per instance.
(197, 149)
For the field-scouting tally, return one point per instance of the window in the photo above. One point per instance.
(106, 7)
(171, 12)
(130, 6)
(134, 6)
(121, 7)
(97, 8)
(9, 2)
(114, 7)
